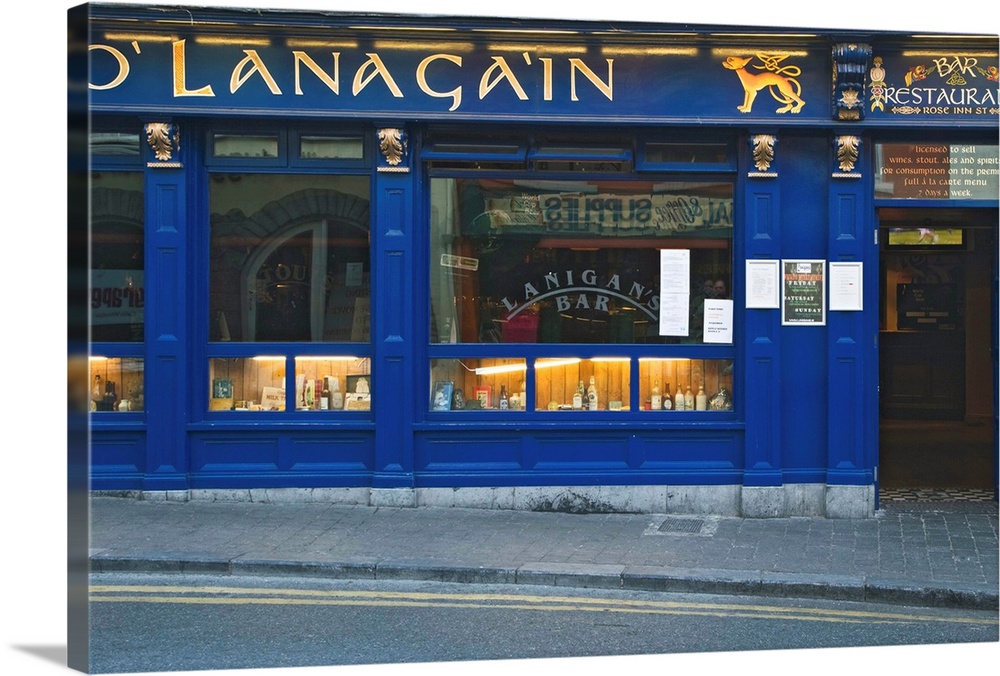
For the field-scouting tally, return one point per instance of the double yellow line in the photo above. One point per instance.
(206, 595)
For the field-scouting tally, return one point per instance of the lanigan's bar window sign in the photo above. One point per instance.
(398, 257)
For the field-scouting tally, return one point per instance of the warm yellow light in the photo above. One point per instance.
(314, 358)
(500, 368)
(649, 51)
(425, 46)
(547, 49)
(549, 363)
(345, 44)
(95, 357)
(237, 40)
(145, 37)
(268, 358)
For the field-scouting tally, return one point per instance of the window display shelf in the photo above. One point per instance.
(575, 384)
(259, 383)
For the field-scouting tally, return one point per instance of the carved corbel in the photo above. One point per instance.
(762, 154)
(850, 65)
(164, 139)
(847, 149)
(393, 150)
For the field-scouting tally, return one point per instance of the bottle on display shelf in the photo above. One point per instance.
(324, 397)
(668, 402)
(309, 396)
(592, 395)
(701, 399)
(679, 399)
(689, 400)
(504, 400)
(656, 397)
(578, 397)
(336, 396)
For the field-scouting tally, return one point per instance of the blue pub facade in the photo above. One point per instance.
(410, 260)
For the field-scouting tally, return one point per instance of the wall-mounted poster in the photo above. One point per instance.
(803, 297)
(762, 284)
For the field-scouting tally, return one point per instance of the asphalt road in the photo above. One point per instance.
(141, 623)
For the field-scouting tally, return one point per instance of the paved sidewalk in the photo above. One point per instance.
(936, 554)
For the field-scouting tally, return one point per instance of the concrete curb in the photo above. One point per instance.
(592, 576)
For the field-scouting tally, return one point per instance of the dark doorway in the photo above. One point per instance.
(937, 357)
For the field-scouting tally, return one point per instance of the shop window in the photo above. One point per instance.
(258, 383)
(258, 146)
(117, 241)
(685, 384)
(290, 258)
(247, 383)
(686, 156)
(337, 383)
(572, 384)
(529, 261)
(106, 144)
(318, 147)
(478, 384)
(117, 384)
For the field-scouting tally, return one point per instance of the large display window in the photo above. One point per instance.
(117, 270)
(542, 261)
(536, 272)
(289, 268)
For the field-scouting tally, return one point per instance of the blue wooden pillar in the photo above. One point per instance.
(762, 240)
(393, 239)
(853, 379)
(166, 253)
(852, 409)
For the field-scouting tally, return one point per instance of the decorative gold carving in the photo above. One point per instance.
(392, 144)
(164, 139)
(763, 151)
(847, 152)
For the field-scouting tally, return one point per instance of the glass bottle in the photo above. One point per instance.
(679, 399)
(324, 397)
(578, 397)
(656, 397)
(504, 401)
(668, 403)
(689, 400)
(592, 395)
(701, 399)
(336, 396)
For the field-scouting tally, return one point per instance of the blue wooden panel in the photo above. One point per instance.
(469, 452)
(691, 451)
(117, 460)
(229, 452)
(605, 452)
(332, 453)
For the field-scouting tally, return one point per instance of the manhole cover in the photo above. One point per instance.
(681, 526)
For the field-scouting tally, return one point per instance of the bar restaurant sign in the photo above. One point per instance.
(938, 84)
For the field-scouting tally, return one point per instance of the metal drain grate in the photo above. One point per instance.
(681, 526)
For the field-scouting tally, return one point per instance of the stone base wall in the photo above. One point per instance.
(810, 500)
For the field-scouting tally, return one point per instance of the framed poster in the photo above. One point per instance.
(482, 393)
(846, 286)
(803, 292)
(762, 284)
